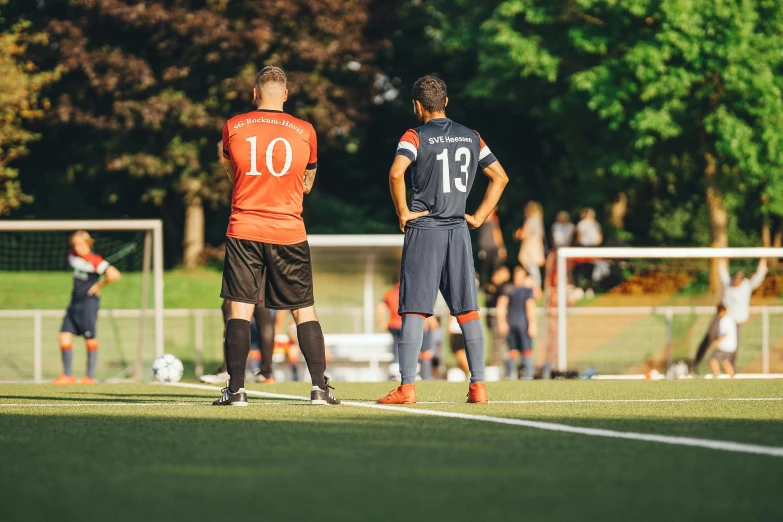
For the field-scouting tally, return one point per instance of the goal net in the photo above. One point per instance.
(35, 289)
(632, 311)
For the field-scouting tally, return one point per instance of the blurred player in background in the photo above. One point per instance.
(271, 158)
(260, 356)
(437, 254)
(497, 286)
(517, 320)
(725, 344)
(388, 319)
(457, 343)
(81, 317)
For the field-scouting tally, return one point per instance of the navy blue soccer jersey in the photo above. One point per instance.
(444, 159)
(517, 305)
(86, 272)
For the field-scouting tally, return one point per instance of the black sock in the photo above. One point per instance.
(311, 342)
(266, 330)
(237, 347)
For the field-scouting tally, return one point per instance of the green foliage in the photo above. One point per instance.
(20, 102)
(633, 89)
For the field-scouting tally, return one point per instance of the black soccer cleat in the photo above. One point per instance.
(320, 397)
(238, 398)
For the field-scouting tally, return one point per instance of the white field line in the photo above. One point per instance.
(736, 447)
(113, 404)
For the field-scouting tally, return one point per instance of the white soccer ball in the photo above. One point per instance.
(167, 368)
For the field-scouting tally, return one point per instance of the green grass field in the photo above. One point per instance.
(148, 453)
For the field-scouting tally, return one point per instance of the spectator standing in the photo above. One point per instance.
(531, 234)
(588, 234)
(491, 248)
(497, 285)
(563, 230)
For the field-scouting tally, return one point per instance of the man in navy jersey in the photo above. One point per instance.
(82, 315)
(437, 255)
(516, 309)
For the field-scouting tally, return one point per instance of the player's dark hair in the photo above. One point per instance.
(431, 93)
(270, 74)
(721, 308)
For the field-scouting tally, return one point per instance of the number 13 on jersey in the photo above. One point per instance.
(461, 182)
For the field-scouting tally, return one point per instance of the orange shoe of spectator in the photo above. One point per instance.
(87, 380)
(64, 379)
(477, 393)
(405, 394)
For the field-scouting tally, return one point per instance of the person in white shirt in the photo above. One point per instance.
(562, 230)
(737, 292)
(588, 234)
(725, 343)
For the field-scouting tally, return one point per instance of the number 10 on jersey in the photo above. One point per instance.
(460, 182)
(270, 149)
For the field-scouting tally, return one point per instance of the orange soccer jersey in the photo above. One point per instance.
(269, 151)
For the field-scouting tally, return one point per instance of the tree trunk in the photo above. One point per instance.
(717, 215)
(777, 242)
(193, 244)
(619, 210)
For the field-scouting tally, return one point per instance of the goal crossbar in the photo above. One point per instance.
(566, 253)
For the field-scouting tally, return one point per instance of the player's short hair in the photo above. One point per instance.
(519, 269)
(82, 234)
(721, 308)
(431, 93)
(270, 74)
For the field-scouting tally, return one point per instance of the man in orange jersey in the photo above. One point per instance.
(444, 158)
(271, 158)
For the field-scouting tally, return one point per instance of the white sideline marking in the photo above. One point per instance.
(111, 404)
(720, 445)
(581, 401)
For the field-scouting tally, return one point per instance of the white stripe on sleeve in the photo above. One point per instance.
(407, 146)
(102, 266)
(484, 152)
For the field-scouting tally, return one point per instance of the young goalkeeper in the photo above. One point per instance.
(82, 313)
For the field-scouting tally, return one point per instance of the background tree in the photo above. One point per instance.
(20, 101)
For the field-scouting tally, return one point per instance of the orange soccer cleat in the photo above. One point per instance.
(270, 380)
(477, 393)
(64, 379)
(405, 394)
(87, 380)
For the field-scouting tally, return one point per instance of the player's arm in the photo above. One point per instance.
(758, 277)
(723, 272)
(309, 179)
(501, 308)
(532, 324)
(312, 162)
(397, 186)
(498, 180)
(225, 155)
(717, 340)
(111, 275)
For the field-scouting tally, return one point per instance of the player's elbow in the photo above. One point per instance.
(113, 275)
(396, 175)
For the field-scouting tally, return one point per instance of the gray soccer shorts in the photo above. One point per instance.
(437, 259)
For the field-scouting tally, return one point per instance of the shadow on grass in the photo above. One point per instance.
(346, 465)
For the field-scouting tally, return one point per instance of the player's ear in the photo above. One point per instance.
(255, 96)
(447, 102)
(285, 95)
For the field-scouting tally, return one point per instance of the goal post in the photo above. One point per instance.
(566, 256)
(143, 253)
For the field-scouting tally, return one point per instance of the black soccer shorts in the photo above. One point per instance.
(81, 318)
(281, 275)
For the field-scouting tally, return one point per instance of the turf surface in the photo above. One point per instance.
(148, 453)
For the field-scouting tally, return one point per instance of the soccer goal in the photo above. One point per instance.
(35, 289)
(629, 311)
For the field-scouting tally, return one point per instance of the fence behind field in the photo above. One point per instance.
(613, 340)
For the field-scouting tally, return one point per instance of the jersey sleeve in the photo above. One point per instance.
(99, 264)
(226, 153)
(486, 158)
(408, 145)
(312, 162)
